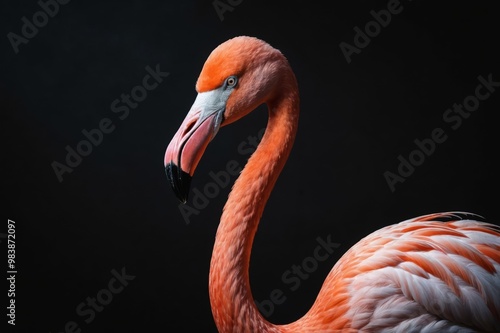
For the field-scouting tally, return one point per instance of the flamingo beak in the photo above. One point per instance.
(189, 143)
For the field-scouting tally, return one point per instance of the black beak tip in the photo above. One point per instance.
(179, 180)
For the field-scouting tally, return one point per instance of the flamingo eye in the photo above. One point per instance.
(231, 81)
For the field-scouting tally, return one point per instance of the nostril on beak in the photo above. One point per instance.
(189, 127)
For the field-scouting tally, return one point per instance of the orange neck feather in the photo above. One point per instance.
(231, 298)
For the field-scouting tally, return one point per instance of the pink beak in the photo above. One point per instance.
(189, 143)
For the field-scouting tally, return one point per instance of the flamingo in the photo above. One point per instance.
(435, 273)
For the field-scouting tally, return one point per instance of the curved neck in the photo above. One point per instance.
(233, 307)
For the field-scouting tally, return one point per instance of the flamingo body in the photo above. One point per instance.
(421, 275)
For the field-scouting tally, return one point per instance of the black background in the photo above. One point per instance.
(116, 208)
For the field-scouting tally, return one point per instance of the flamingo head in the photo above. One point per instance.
(238, 76)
